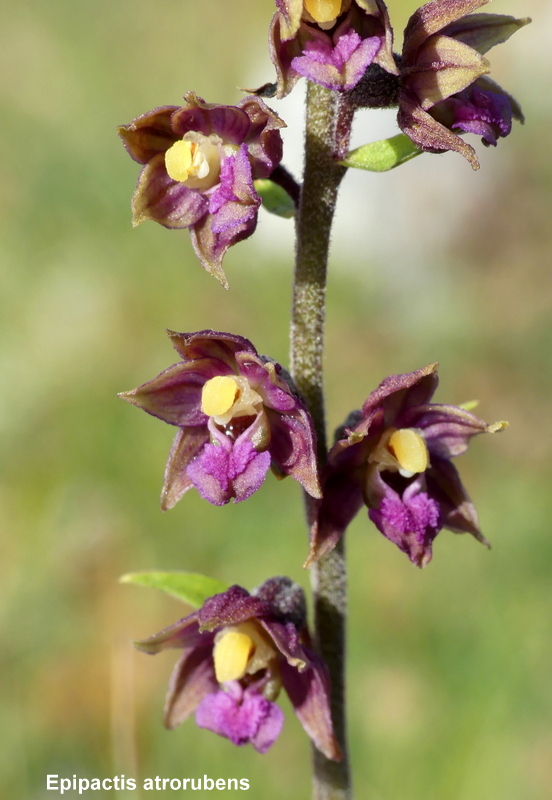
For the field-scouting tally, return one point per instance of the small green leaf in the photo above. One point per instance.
(275, 198)
(189, 587)
(383, 155)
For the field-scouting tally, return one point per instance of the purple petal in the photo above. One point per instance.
(458, 512)
(397, 393)
(264, 140)
(293, 448)
(193, 677)
(429, 134)
(233, 214)
(483, 31)
(309, 692)
(411, 522)
(236, 183)
(175, 394)
(285, 636)
(484, 113)
(242, 716)
(283, 50)
(341, 501)
(447, 430)
(157, 197)
(210, 344)
(247, 469)
(228, 470)
(265, 376)
(228, 122)
(149, 134)
(184, 633)
(340, 65)
(209, 473)
(431, 18)
(187, 443)
(231, 607)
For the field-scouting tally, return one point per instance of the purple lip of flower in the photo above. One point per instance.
(200, 162)
(479, 110)
(443, 55)
(239, 649)
(238, 414)
(331, 43)
(395, 457)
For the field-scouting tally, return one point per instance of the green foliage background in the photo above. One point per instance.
(449, 673)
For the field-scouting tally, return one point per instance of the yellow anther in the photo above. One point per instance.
(182, 160)
(323, 10)
(231, 655)
(219, 395)
(409, 449)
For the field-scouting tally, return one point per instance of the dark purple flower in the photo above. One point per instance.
(200, 162)
(395, 457)
(442, 69)
(239, 650)
(330, 42)
(238, 414)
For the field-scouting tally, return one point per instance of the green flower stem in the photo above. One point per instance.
(325, 140)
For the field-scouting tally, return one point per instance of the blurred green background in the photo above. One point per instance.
(449, 674)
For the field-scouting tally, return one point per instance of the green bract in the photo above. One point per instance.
(383, 155)
(275, 198)
(190, 587)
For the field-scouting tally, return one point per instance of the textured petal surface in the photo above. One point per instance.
(232, 607)
(411, 522)
(149, 134)
(398, 393)
(193, 677)
(210, 344)
(184, 633)
(175, 394)
(232, 217)
(337, 66)
(244, 717)
(447, 430)
(264, 141)
(157, 197)
(293, 449)
(430, 135)
(228, 470)
(483, 31)
(431, 18)
(309, 692)
(230, 123)
(444, 67)
(187, 443)
(342, 500)
(458, 511)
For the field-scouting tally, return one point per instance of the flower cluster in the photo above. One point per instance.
(238, 414)
(394, 455)
(443, 77)
(441, 84)
(238, 651)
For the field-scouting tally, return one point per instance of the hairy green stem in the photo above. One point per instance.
(325, 140)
